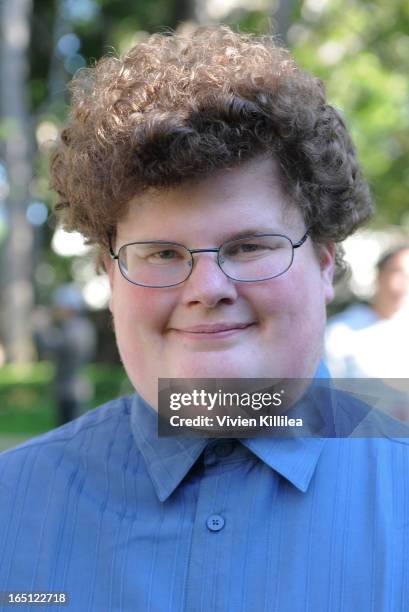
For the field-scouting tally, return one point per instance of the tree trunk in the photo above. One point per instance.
(190, 11)
(184, 11)
(57, 77)
(283, 18)
(18, 292)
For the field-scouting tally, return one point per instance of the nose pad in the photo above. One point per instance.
(193, 263)
(209, 286)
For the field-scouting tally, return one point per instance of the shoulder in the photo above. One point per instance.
(59, 490)
(355, 317)
(66, 447)
(355, 412)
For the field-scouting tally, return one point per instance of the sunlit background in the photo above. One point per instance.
(359, 48)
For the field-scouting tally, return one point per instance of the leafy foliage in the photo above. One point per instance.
(361, 51)
(26, 401)
(360, 48)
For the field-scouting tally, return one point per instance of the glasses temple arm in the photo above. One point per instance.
(111, 250)
(303, 239)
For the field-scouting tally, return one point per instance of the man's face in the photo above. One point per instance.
(393, 280)
(161, 333)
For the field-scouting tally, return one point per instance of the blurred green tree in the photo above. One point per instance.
(17, 174)
(360, 48)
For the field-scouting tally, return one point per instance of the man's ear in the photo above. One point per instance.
(326, 255)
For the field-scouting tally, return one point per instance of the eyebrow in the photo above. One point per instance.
(252, 232)
(246, 233)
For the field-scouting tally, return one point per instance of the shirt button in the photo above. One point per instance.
(210, 458)
(215, 522)
(224, 449)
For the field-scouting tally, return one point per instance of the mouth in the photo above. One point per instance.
(213, 331)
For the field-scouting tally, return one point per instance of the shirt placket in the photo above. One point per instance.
(209, 575)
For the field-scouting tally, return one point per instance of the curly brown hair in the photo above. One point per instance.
(177, 107)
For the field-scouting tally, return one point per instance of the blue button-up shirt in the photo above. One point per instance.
(125, 521)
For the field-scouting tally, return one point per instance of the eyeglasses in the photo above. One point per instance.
(159, 264)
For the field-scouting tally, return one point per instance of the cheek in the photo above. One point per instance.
(139, 310)
(289, 304)
(277, 298)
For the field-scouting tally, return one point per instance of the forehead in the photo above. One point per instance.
(399, 262)
(245, 197)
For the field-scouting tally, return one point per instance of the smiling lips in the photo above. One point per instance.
(213, 330)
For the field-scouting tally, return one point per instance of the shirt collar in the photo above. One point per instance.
(168, 459)
(294, 458)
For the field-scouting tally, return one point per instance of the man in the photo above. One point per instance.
(370, 340)
(69, 341)
(217, 183)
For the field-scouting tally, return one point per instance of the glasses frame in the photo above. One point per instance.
(294, 245)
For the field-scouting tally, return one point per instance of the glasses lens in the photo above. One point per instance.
(256, 257)
(154, 264)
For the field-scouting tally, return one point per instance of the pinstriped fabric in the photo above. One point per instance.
(124, 521)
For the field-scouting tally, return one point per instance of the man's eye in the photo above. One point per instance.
(251, 247)
(247, 248)
(164, 255)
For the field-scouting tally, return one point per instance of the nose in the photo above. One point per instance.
(207, 283)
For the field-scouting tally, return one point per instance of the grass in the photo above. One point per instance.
(26, 402)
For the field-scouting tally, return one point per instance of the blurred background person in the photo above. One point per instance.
(370, 342)
(369, 339)
(392, 294)
(69, 340)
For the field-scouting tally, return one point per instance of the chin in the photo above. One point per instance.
(216, 366)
